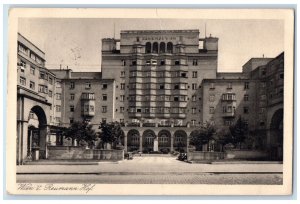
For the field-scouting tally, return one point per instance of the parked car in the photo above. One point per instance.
(182, 156)
(128, 155)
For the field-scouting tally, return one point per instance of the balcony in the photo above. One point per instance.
(182, 92)
(164, 67)
(135, 80)
(136, 92)
(228, 114)
(149, 92)
(164, 80)
(180, 68)
(228, 97)
(136, 67)
(88, 108)
(150, 80)
(180, 79)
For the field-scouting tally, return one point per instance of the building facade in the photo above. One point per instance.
(161, 85)
(37, 91)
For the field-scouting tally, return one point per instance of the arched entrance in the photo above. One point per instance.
(180, 141)
(148, 140)
(133, 140)
(37, 132)
(276, 135)
(164, 141)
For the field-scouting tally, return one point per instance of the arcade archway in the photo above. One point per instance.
(276, 135)
(148, 140)
(37, 134)
(164, 140)
(133, 140)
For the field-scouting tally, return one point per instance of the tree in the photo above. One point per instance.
(223, 137)
(239, 132)
(111, 133)
(202, 135)
(81, 132)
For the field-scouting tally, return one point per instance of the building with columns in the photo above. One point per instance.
(161, 85)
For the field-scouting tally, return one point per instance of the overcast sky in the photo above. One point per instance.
(77, 42)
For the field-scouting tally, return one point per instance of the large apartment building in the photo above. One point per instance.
(159, 84)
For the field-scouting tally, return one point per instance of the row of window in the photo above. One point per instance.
(43, 75)
(228, 109)
(90, 108)
(88, 85)
(41, 88)
(91, 96)
(86, 108)
(164, 86)
(159, 98)
(27, 52)
(163, 47)
(160, 74)
(181, 86)
(229, 85)
(157, 110)
(162, 62)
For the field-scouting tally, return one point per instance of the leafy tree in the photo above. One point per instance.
(223, 136)
(202, 135)
(111, 133)
(239, 132)
(81, 132)
(255, 139)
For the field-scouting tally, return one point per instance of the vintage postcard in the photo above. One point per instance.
(150, 101)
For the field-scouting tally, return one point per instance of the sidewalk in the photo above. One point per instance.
(150, 166)
(70, 162)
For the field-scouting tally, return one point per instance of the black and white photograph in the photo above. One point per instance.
(150, 102)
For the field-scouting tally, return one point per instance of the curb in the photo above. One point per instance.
(71, 163)
(142, 173)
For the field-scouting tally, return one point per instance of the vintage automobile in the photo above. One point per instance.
(182, 156)
(128, 156)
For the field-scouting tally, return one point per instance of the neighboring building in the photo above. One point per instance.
(160, 85)
(36, 102)
(86, 96)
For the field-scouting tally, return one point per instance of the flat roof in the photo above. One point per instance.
(160, 31)
(31, 43)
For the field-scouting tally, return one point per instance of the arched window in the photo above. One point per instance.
(148, 47)
(162, 47)
(155, 47)
(170, 47)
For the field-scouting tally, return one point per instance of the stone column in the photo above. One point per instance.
(187, 140)
(24, 140)
(155, 145)
(125, 143)
(30, 142)
(44, 129)
(141, 143)
(172, 142)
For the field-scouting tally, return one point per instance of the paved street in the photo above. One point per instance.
(154, 170)
(204, 178)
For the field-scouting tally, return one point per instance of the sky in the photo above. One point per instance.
(76, 43)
